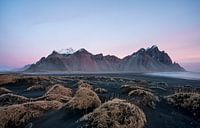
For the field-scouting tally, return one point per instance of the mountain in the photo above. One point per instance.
(66, 51)
(144, 60)
(149, 60)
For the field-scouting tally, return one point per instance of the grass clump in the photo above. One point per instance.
(59, 89)
(17, 116)
(115, 114)
(4, 90)
(127, 88)
(144, 97)
(84, 99)
(10, 99)
(187, 100)
(81, 84)
(6, 79)
(59, 93)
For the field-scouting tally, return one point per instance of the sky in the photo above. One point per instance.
(31, 29)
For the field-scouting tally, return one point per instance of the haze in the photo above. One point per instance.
(31, 29)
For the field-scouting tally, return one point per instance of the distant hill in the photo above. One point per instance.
(144, 60)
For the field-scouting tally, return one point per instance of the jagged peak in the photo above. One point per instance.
(82, 50)
(43, 58)
(143, 57)
(141, 50)
(111, 56)
(154, 46)
(54, 52)
(100, 54)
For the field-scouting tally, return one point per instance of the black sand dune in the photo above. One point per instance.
(164, 115)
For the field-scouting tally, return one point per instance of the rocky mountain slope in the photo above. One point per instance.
(144, 60)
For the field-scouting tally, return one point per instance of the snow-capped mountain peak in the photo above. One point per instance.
(66, 51)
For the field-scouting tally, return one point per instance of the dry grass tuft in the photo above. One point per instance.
(188, 101)
(36, 87)
(84, 84)
(127, 88)
(17, 116)
(59, 93)
(115, 114)
(144, 97)
(4, 91)
(5, 79)
(10, 79)
(84, 99)
(34, 80)
(59, 89)
(10, 99)
(100, 90)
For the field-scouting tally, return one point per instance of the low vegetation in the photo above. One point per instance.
(127, 88)
(140, 94)
(4, 91)
(84, 99)
(84, 84)
(17, 116)
(10, 99)
(189, 101)
(5, 79)
(144, 97)
(115, 114)
(59, 93)
(59, 89)
(25, 80)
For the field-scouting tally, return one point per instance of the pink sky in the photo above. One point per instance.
(33, 29)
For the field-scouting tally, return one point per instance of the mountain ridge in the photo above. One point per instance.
(143, 60)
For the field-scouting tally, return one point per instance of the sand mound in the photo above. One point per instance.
(188, 101)
(10, 99)
(59, 89)
(100, 90)
(17, 116)
(84, 99)
(4, 91)
(84, 84)
(127, 88)
(59, 93)
(115, 114)
(144, 97)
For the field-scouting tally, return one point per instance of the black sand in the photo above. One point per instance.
(163, 116)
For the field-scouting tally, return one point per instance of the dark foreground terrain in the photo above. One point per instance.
(100, 100)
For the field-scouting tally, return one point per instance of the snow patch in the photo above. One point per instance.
(66, 51)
